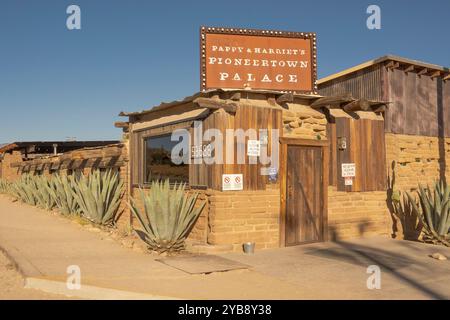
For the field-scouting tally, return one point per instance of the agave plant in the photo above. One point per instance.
(98, 196)
(43, 191)
(167, 216)
(434, 212)
(62, 191)
(4, 186)
(23, 189)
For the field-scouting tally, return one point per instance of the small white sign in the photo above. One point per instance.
(232, 182)
(201, 151)
(348, 170)
(348, 181)
(253, 148)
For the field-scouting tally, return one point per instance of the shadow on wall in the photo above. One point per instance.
(363, 228)
(401, 210)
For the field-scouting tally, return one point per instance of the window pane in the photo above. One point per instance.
(158, 162)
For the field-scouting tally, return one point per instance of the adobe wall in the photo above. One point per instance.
(417, 159)
(86, 159)
(412, 160)
(236, 217)
(357, 214)
(9, 173)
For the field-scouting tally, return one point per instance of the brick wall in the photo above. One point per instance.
(413, 160)
(237, 217)
(416, 159)
(356, 214)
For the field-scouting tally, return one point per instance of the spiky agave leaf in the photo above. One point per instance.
(98, 196)
(434, 212)
(168, 214)
(62, 192)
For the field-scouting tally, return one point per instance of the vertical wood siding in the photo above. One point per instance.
(365, 148)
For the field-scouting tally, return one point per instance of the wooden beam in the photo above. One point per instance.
(435, 74)
(380, 108)
(215, 104)
(287, 97)
(409, 68)
(393, 65)
(325, 101)
(423, 71)
(447, 77)
(236, 96)
(356, 105)
(121, 124)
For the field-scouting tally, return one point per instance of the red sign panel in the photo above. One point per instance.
(258, 59)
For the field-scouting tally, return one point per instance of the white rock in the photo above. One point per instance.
(438, 256)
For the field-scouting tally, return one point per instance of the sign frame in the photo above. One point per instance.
(259, 32)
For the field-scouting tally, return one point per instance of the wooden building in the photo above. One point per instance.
(417, 120)
(304, 198)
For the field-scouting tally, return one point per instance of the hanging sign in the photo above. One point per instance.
(348, 170)
(253, 148)
(258, 59)
(232, 182)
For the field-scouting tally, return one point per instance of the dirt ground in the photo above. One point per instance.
(11, 284)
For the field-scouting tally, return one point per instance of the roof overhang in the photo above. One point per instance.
(432, 69)
(209, 93)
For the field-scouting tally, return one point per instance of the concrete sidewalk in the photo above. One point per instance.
(44, 245)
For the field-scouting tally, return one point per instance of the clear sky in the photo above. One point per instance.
(131, 55)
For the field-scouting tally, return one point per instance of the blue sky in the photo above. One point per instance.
(131, 55)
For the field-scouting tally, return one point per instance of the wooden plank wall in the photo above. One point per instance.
(210, 176)
(414, 98)
(414, 107)
(365, 148)
(246, 117)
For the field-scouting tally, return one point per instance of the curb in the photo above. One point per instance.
(89, 292)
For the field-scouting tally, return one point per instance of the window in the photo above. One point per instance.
(158, 161)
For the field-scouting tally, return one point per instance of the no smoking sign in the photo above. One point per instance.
(232, 182)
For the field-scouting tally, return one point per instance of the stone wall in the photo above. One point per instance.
(304, 122)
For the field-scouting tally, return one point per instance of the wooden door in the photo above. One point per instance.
(304, 195)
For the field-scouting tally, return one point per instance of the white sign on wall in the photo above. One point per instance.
(232, 182)
(253, 148)
(201, 151)
(348, 181)
(348, 170)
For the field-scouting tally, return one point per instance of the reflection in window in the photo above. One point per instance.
(158, 162)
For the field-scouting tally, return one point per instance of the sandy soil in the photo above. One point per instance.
(11, 284)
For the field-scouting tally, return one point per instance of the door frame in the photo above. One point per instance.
(324, 145)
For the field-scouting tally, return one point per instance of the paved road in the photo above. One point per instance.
(44, 245)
